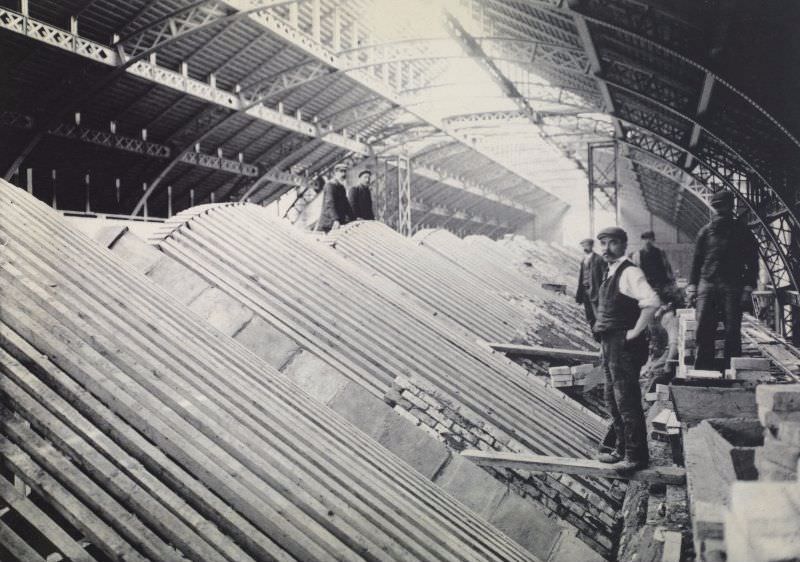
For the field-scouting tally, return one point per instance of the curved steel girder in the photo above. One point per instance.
(448, 145)
(560, 6)
(733, 158)
(358, 112)
(770, 247)
(173, 27)
(532, 91)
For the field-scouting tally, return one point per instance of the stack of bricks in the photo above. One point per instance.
(779, 413)
(561, 377)
(687, 343)
(749, 369)
(762, 522)
(588, 505)
(580, 372)
(763, 518)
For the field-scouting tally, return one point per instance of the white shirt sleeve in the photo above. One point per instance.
(633, 284)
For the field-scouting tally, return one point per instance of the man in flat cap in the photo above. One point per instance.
(360, 197)
(626, 306)
(657, 270)
(593, 270)
(336, 209)
(724, 273)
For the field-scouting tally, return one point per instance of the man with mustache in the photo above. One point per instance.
(626, 306)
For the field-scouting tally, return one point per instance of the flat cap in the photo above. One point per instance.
(341, 166)
(365, 171)
(586, 241)
(613, 232)
(648, 235)
(722, 199)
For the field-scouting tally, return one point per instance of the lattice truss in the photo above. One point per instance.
(247, 99)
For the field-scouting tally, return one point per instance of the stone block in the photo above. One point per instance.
(531, 527)
(315, 376)
(179, 281)
(750, 363)
(780, 452)
(136, 252)
(473, 486)
(361, 408)
(777, 398)
(414, 445)
(267, 341)
(221, 310)
(788, 432)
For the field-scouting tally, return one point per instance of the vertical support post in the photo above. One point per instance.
(191, 197)
(87, 179)
(29, 180)
(53, 185)
(616, 183)
(169, 201)
(354, 35)
(73, 25)
(591, 192)
(404, 195)
(316, 13)
(118, 189)
(603, 180)
(294, 14)
(337, 29)
(23, 7)
(144, 206)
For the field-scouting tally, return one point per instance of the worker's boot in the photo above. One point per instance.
(627, 465)
(611, 457)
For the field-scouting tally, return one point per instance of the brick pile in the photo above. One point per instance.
(779, 413)
(687, 342)
(591, 508)
(762, 522)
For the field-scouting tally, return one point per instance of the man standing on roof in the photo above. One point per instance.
(593, 270)
(626, 306)
(336, 209)
(360, 197)
(657, 270)
(724, 273)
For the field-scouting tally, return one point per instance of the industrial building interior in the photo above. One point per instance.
(190, 369)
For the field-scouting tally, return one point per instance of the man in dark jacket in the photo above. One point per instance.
(361, 198)
(724, 272)
(654, 264)
(336, 209)
(592, 273)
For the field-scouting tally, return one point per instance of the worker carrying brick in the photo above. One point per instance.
(724, 273)
(360, 197)
(593, 270)
(626, 306)
(336, 210)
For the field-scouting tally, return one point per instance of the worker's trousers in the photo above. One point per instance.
(622, 362)
(718, 301)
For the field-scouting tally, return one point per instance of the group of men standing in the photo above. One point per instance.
(340, 206)
(627, 298)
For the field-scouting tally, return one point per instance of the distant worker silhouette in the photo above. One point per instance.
(360, 197)
(336, 209)
(591, 275)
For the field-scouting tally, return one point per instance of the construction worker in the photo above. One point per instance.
(724, 273)
(657, 270)
(626, 306)
(593, 270)
(360, 197)
(336, 209)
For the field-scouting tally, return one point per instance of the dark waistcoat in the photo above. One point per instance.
(616, 311)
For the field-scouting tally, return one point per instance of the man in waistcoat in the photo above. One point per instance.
(336, 209)
(593, 270)
(626, 306)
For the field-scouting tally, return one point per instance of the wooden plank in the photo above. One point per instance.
(673, 544)
(538, 351)
(26, 509)
(585, 467)
(14, 545)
